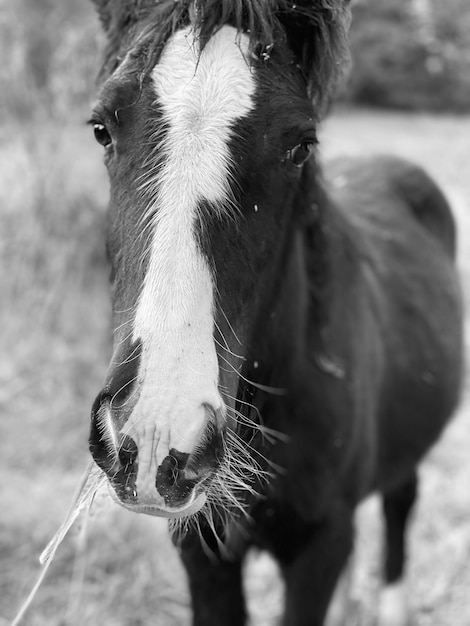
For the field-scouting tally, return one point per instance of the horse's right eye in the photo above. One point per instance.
(101, 134)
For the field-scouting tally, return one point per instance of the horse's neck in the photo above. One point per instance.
(321, 260)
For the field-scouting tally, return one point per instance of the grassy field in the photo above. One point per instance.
(121, 570)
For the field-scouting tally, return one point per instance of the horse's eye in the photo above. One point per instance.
(101, 134)
(300, 153)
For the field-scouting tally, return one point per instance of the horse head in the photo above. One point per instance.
(207, 115)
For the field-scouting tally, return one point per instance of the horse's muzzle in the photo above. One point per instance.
(177, 486)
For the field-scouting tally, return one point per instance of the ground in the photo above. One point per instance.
(120, 569)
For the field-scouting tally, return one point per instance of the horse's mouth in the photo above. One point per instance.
(194, 505)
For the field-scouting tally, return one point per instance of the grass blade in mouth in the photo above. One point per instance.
(91, 483)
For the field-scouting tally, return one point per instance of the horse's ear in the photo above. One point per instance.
(317, 31)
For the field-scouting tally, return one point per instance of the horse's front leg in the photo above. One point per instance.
(312, 573)
(215, 585)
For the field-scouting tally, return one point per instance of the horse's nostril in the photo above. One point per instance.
(173, 482)
(128, 451)
(114, 453)
(180, 472)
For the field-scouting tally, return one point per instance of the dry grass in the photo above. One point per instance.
(55, 331)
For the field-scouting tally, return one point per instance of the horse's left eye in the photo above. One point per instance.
(300, 153)
(101, 134)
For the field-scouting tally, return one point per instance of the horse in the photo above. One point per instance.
(288, 337)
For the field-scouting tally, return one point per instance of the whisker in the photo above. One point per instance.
(277, 391)
(124, 310)
(123, 340)
(129, 382)
(243, 445)
(229, 324)
(265, 430)
(245, 403)
(238, 356)
(130, 357)
(122, 325)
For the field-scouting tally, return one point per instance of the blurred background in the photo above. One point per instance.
(408, 92)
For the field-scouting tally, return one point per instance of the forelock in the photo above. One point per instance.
(315, 31)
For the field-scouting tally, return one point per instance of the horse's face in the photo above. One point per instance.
(205, 157)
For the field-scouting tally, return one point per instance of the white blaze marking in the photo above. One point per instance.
(200, 97)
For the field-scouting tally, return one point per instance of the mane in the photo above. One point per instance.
(315, 31)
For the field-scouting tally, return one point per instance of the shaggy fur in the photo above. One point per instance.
(316, 31)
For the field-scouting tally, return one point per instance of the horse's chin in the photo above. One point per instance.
(192, 507)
